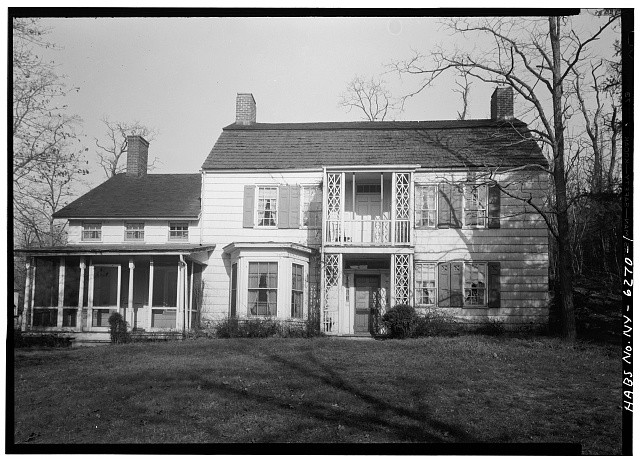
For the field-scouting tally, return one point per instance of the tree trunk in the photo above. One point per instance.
(565, 271)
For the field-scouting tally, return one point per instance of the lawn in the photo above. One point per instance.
(463, 389)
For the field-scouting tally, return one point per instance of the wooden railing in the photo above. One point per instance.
(368, 232)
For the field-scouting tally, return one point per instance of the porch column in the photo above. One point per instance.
(342, 206)
(180, 297)
(90, 296)
(190, 309)
(27, 308)
(149, 312)
(129, 317)
(61, 274)
(354, 226)
(393, 208)
(80, 295)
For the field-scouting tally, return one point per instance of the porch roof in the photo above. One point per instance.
(118, 249)
(229, 248)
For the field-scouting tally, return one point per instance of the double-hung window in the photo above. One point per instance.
(267, 206)
(475, 205)
(134, 231)
(426, 197)
(178, 231)
(91, 231)
(475, 284)
(425, 284)
(297, 290)
(263, 288)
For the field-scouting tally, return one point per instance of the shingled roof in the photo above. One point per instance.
(153, 195)
(441, 144)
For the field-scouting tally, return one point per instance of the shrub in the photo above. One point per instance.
(492, 327)
(41, 340)
(400, 321)
(265, 328)
(118, 329)
(434, 323)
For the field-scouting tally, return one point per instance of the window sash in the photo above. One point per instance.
(425, 284)
(428, 210)
(267, 208)
(297, 290)
(475, 205)
(179, 231)
(91, 231)
(475, 284)
(311, 207)
(263, 288)
(134, 231)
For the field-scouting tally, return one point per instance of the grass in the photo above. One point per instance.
(460, 390)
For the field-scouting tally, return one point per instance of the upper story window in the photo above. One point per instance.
(134, 231)
(311, 207)
(426, 208)
(267, 208)
(475, 205)
(91, 231)
(178, 231)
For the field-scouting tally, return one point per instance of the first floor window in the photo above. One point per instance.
(267, 206)
(475, 275)
(178, 231)
(425, 279)
(134, 231)
(263, 289)
(475, 205)
(234, 289)
(297, 290)
(91, 231)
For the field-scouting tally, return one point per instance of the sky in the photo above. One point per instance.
(181, 75)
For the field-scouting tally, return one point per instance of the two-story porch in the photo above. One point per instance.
(367, 247)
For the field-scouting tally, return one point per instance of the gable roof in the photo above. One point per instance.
(441, 144)
(150, 196)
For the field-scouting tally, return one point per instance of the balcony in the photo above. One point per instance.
(367, 208)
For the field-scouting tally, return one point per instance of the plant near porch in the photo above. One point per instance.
(400, 321)
(118, 329)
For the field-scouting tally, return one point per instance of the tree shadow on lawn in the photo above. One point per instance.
(393, 422)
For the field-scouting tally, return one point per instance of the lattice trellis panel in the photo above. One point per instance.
(332, 275)
(402, 186)
(402, 284)
(334, 195)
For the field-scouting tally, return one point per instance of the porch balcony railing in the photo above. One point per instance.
(368, 232)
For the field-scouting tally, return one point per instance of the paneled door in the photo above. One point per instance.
(366, 288)
(367, 209)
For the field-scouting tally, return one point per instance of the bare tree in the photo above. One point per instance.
(464, 89)
(537, 60)
(41, 124)
(113, 146)
(371, 97)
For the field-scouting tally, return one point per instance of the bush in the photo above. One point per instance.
(491, 327)
(41, 340)
(118, 329)
(434, 323)
(265, 328)
(400, 321)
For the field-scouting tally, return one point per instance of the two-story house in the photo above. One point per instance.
(341, 219)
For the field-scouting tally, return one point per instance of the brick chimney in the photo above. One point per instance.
(502, 104)
(137, 156)
(245, 109)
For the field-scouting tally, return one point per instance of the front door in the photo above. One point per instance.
(367, 209)
(366, 289)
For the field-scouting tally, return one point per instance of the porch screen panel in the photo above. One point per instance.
(45, 300)
(196, 301)
(332, 281)
(105, 294)
(402, 285)
(165, 296)
(71, 292)
(334, 207)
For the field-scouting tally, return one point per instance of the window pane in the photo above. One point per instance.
(69, 317)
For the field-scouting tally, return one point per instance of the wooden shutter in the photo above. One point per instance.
(444, 205)
(456, 284)
(294, 206)
(456, 206)
(249, 202)
(444, 283)
(494, 284)
(417, 204)
(283, 207)
(494, 206)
